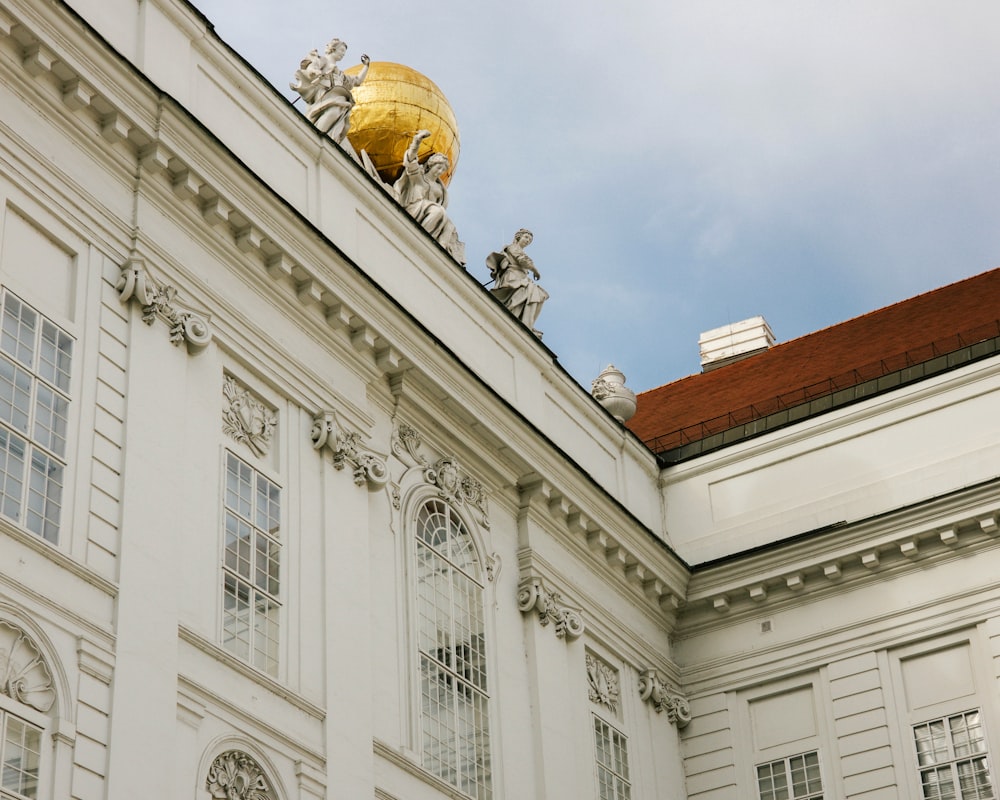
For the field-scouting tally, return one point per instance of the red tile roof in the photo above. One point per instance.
(894, 337)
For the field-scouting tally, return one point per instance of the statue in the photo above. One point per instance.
(327, 89)
(514, 287)
(420, 191)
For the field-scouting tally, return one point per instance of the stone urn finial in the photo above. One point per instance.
(610, 391)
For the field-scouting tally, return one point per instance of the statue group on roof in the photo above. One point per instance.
(420, 190)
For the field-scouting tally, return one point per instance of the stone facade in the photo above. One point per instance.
(187, 568)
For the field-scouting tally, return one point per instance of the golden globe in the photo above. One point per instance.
(394, 103)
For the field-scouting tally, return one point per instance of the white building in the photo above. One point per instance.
(290, 507)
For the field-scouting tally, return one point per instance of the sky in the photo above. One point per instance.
(689, 164)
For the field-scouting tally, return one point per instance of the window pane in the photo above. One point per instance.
(44, 495)
(974, 780)
(21, 749)
(251, 566)
(51, 420)
(12, 474)
(17, 337)
(15, 395)
(54, 356)
(932, 743)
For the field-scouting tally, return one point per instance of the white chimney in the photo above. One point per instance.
(734, 342)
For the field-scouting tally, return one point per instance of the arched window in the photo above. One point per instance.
(454, 718)
(26, 696)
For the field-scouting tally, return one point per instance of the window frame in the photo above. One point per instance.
(953, 760)
(480, 665)
(272, 666)
(50, 529)
(788, 772)
(10, 708)
(626, 778)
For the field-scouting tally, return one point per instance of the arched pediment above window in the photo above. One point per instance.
(24, 675)
(235, 775)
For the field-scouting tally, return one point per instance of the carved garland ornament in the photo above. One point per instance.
(533, 594)
(653, 689)
(236, 776)
(247, 419)
(605, 685)
(134, 283)
(367, 467)
(24, 675)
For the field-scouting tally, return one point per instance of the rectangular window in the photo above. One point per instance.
(250, 567)
(612, 762)
(794, 778)
(952, 758)
(35, 360)
(20, 751)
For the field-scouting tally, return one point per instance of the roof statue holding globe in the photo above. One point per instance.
(328, 90)
(420, 191)
(399, 125)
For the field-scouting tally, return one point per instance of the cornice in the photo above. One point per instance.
(927, 619)
(651, 574)
(199, 642)
(844, 557)
(407, 765)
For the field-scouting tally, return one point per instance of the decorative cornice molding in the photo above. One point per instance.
(95, 661)
(157, 301)
(655, 690)
(346, 447)
(604, 683)
(867, 550)
(246, 419)
(24, 675)
(534, 594)
(234, 775)
(663, 585)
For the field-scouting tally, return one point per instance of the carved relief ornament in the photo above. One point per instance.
(533, 594)
(347, 450)
(605, 684)
(655, 690)
(246, 418)
(157, 301)
(453, 483)
(24, 675)
(234, 775)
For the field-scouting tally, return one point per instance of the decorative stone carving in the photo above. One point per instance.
(424, 196)
(347, 449)
(327, 89)
(605, 684)
(246, 419)
(534, 594)
(610, 391)
(446, 474)
(406, 441)
(512, 268)
(234, 775)
(457, 487)
(24, 675)
(135, 283)
(653, 689)
(493, 566)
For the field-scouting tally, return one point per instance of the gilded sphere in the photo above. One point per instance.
(393, 104)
